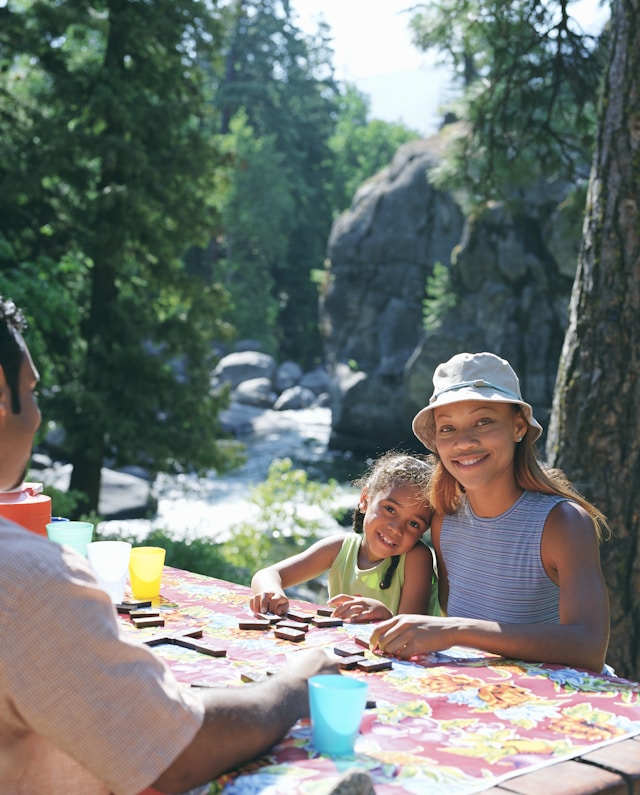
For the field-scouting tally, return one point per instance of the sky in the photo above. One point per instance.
(373, 49)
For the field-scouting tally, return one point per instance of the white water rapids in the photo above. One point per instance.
(207, 507)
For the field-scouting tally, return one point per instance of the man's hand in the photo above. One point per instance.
(304, 664)
(310, 662)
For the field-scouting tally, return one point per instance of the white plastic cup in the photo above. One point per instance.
(110, 563)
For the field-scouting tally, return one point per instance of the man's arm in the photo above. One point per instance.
(241, 723)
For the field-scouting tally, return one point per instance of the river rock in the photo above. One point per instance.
(288, 375)
(234, 368)
(380, 253)
(317, 380)
(297, 397)
(255, 392)
(123, 495)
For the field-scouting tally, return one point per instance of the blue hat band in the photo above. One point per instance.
(478, 382)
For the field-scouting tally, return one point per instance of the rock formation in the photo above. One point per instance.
(510, 295)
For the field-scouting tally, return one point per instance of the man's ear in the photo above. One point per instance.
(5, 395)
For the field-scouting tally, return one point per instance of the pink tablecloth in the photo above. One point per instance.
(448, 723)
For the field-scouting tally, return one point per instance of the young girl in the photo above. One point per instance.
(517, 548)
(380, 569)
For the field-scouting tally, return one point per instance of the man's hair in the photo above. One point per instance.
(12, 324)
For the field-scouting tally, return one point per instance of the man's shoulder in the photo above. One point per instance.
(28, 558)
(17, 541)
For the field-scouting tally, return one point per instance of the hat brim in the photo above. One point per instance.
(424, 427)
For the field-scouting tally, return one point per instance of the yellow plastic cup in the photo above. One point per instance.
(145, 571)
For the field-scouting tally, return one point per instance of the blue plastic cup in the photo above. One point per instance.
(336, 704)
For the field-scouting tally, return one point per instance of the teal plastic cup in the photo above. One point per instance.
(72, 534)
(336, 705)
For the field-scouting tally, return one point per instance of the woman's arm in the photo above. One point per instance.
(570, 554)
(269, 583)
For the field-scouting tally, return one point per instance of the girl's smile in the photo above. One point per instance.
(395, 518)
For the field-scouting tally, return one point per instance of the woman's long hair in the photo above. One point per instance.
(446, 492)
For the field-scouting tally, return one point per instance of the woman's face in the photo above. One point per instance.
(476, 440)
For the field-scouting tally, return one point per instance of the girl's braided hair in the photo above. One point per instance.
(389, 470)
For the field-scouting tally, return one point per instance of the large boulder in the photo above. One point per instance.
(509, 294)
(380, 254)
(511, 299)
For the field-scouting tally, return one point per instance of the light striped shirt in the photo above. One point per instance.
(494, 564)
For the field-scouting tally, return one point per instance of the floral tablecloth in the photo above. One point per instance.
(455, 722)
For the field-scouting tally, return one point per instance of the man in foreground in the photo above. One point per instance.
(84, 710)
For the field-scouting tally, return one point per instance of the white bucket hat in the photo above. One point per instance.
(471, 376)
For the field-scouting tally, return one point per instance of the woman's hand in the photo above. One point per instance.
(406, 635)
(358, 609)
(270, 602)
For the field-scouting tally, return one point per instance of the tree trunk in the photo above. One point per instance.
(86, 477)
(594, 433)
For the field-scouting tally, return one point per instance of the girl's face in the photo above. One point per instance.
(394, 520)
(476, 440)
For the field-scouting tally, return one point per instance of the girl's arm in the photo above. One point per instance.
(415, 597)
(269, 583)
(443, 577)
(418, 573)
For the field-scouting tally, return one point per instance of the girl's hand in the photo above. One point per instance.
(358, 609)
(270, 602)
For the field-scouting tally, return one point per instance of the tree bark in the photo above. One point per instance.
(594, 433)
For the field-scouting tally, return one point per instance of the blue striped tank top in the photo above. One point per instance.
(494, 564)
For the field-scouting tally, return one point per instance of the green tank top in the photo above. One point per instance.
(345, 576)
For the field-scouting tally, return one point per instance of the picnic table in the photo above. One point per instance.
(460, 721)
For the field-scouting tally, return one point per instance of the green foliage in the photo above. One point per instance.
(440, 297)
(283, 82)
(530, 81)
(288, 510)
(198, 555)
(107, 159)
(67, 504)
(361, 146)
(257, 210)
(64, 503)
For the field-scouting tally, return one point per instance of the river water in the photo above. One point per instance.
(208, 507)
